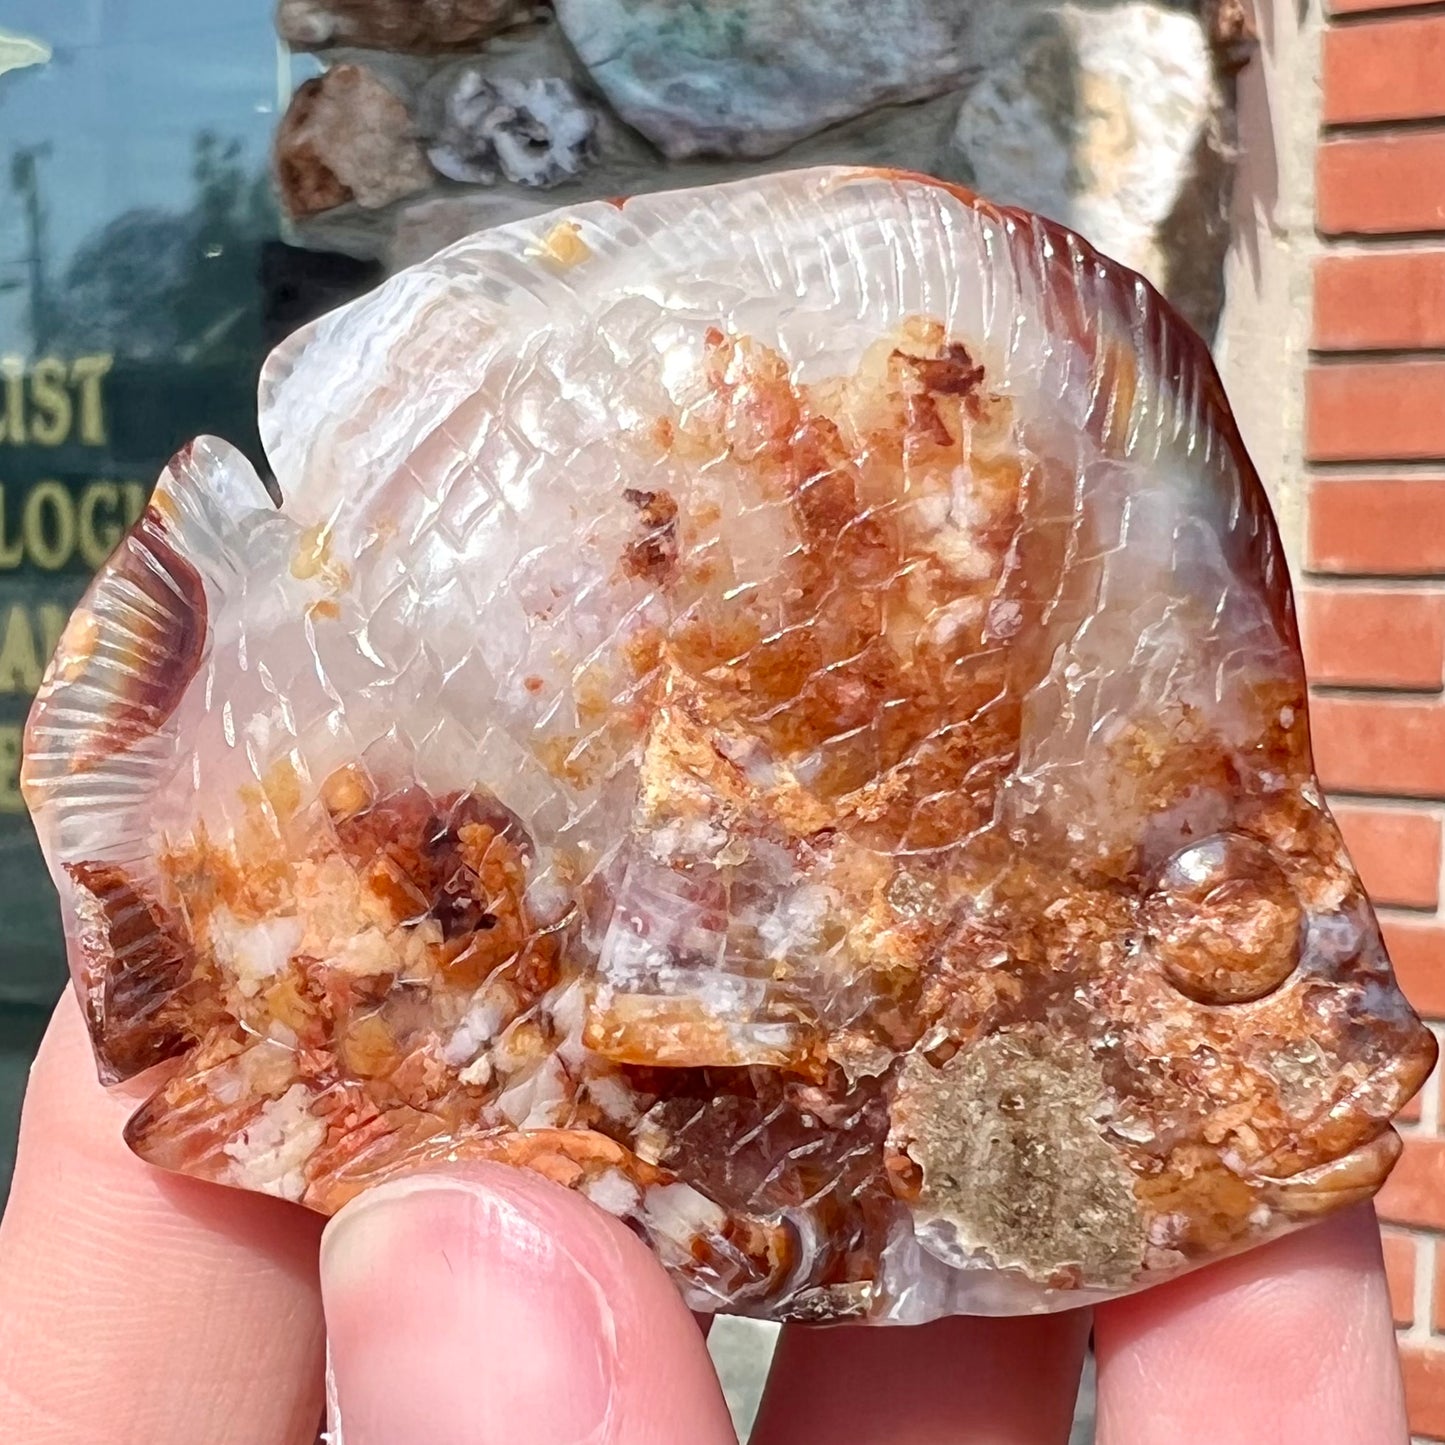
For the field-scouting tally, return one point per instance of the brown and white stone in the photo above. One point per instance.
(347, 137)
(412, 26)
(776, 706)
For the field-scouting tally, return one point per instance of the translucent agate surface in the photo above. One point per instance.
(777, 706)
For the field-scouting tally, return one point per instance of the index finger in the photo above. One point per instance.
(1292, 1341)
(138, 1308)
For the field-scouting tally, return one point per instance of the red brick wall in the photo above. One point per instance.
(1373, 599)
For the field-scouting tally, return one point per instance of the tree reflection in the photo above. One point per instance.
(25, 182)
(156, 284)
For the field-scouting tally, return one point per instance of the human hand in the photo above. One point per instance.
(487, 1307)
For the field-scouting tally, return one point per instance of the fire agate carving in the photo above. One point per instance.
(777, 706)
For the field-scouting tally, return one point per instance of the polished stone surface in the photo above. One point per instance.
(776, 706)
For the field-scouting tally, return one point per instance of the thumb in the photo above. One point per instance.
(487, 1306)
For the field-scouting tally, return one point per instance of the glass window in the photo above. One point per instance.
(141, 281)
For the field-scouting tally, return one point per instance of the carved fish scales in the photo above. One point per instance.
(777, 706)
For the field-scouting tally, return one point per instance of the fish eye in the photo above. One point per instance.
(1223, 922)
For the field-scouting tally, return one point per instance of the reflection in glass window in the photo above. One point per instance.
(137, 231)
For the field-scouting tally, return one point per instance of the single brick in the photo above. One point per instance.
(1379, 185)
(1418, 952)
(1368, 745)
(1412, 1109)
(1385, 526)
(1375, 410)
(1424, 1370)
(1380, 301)
(1400, 1254)
(1397, 853)
(1374, 637)
(1437, 1291)
(1391, 71)
(1415, 1191)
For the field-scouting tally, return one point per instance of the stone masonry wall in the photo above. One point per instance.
(1373, 603)
(434, 118)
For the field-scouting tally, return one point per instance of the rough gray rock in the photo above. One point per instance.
(749, 77)
(347, 137)
(417, 26)
(535, 133)
(1109, 119)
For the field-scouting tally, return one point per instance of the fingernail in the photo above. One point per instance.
(457, 1314)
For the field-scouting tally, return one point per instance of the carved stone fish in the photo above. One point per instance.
(777, 706)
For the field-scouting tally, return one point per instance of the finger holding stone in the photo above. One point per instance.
(1291, 1341)
(485, 1305)
(136, 1307)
